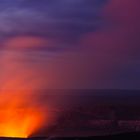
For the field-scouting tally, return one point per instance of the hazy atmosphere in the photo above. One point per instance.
(70, 43)
(47, 46)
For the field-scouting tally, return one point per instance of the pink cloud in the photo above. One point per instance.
(103, 52)
(21, 42)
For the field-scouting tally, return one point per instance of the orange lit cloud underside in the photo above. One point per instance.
(20, 42)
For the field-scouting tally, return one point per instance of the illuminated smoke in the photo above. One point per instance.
(20, 112)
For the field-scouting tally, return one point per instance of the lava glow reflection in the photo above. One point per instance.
(19, 116)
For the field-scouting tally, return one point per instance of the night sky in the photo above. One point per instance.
(66, 44)
(51, 44)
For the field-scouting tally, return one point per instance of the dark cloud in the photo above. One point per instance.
(101, 55)
(63, 18)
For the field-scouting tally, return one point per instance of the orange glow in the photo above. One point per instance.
(19, 117)
(21, 114)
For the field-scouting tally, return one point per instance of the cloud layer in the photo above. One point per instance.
(101, 39)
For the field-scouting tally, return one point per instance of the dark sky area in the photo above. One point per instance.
(69, 44)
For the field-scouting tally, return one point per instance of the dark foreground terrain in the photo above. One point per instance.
(135, 135)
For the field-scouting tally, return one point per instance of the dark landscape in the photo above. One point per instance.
(110, 137)
(96, 113)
